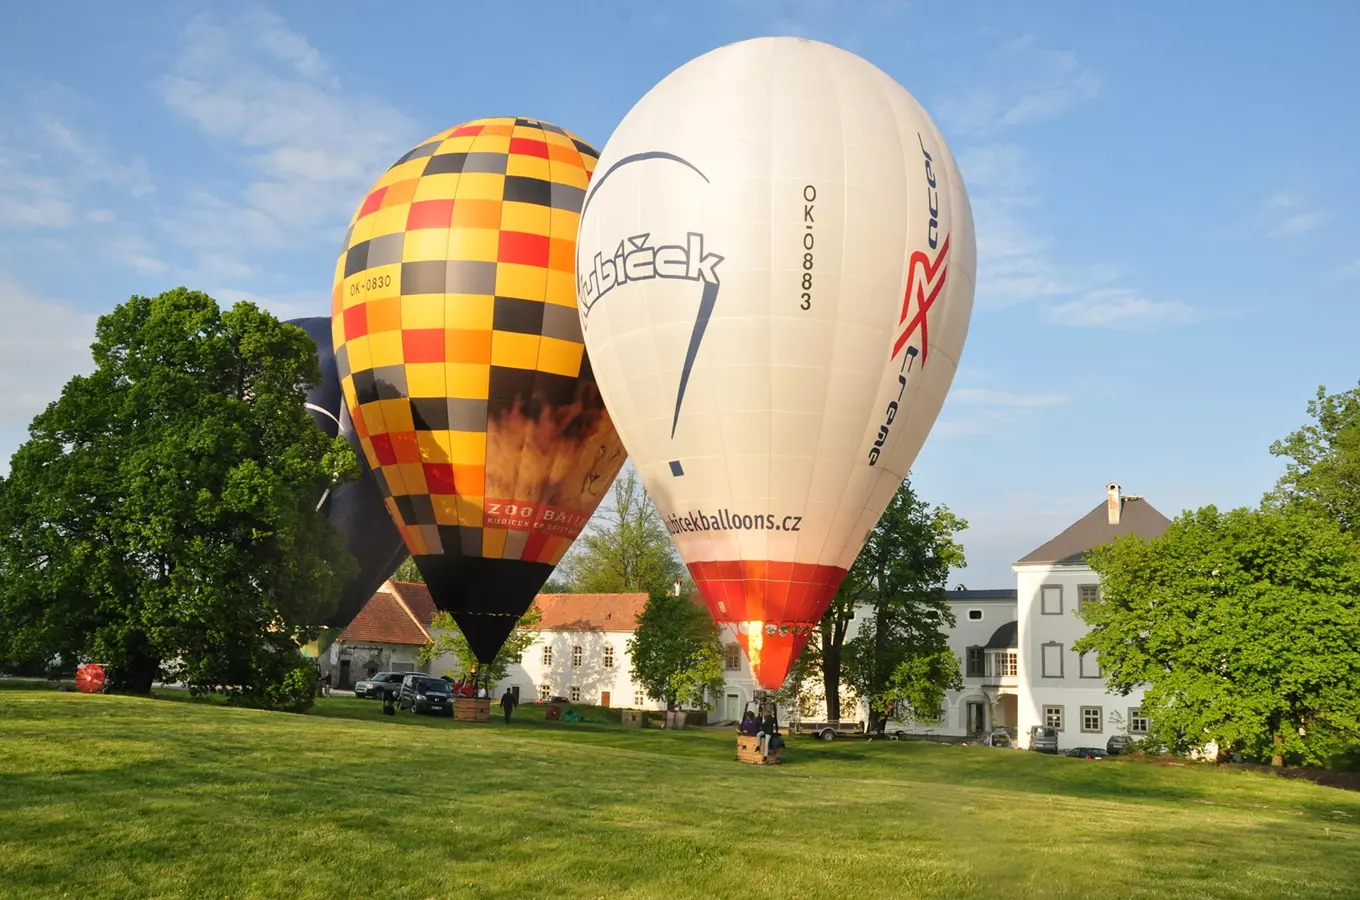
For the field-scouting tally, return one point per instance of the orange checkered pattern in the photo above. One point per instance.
(459, 347)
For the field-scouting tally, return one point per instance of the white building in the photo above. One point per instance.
(581, 652)
(1057, 687)
(1018, 667)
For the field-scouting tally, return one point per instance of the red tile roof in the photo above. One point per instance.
(391, 616)
(590, 612)
(417, 598)
(385, 620)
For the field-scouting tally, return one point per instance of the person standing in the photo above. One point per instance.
(508, 704)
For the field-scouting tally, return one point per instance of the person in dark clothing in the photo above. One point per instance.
(769, 729)
(508, 704)
(749, 725)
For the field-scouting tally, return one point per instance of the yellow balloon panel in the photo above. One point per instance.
(459, 345)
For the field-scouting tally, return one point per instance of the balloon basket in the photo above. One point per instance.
(472, 709)
(748, 751)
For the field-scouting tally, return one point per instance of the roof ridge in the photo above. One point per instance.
(402, 601)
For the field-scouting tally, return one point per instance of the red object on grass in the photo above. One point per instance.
(90, 678)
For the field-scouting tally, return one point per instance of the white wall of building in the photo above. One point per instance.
(1039, 633)
(584, 666)
(1051, 674)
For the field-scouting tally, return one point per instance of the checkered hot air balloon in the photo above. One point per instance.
(463, 367)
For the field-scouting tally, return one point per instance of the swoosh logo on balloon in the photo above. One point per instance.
(710, 295)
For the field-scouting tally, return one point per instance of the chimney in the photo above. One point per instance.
(1114, 503)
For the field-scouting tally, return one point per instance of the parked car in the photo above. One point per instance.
(998, 738)
(426, 694)
(1119, 743)
(1086, 753)
(380, 684)
(1043, 739)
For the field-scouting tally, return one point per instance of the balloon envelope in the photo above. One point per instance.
(89, 678)
(462, 363)
(356, 507)
(775, 277)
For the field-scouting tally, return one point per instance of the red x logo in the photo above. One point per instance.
(923, 302)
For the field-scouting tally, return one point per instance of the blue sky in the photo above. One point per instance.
(1165, 196)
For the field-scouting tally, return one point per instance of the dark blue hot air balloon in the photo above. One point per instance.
(355, 508)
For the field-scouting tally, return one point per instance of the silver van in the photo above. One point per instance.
(1043, 739)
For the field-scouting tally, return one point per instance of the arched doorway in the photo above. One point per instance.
(1006, 713)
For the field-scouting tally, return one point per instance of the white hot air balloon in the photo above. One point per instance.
(775, 272)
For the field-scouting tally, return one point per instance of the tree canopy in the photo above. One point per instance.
(899, 661)
(676, 653)
(408, 571)
(162, 517)
(625, 548)
(1242, 627)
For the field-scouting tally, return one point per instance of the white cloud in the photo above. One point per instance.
(90, 162)
(60, 183)
(311, 149)
(1300, 223)
(1029, 85)
(1290, 215)
(29, 199)
(1017, 262)
(43, 344)
(986, 397)
(1118, 308)
(126, 245)
(1346, 272)
(988, 411)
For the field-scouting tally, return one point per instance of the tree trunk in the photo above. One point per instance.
(876, 719)
(1277, 761)
(831, 671)
(137, 673)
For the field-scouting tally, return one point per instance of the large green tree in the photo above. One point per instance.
(676, 652)
(625, 548)
(899, 658)
(1243, 628)
(161, 518)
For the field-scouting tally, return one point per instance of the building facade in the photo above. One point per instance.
(1058, 688)
(386, 636)
(1014, 645)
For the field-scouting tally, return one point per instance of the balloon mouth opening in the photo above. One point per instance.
(772, 608)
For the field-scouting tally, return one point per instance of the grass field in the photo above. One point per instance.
(120, 797)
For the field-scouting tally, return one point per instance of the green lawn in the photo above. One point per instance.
(120, 797)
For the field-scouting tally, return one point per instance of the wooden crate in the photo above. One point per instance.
(748, 752)
(472, 709)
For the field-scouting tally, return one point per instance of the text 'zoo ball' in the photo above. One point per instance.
(461, 359)
(775, 272)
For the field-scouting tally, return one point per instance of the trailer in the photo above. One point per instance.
(829, 731)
